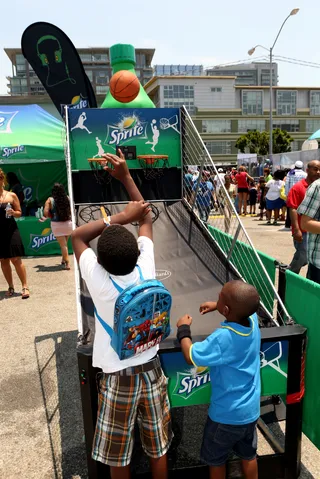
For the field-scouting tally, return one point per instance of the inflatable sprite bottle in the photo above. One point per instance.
(123, 57)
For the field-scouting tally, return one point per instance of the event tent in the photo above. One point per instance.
(32, 146)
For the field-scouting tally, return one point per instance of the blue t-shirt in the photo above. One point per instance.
(188, 180)
(232, 353)
(204, 193)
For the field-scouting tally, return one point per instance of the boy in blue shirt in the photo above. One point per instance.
(232, 353)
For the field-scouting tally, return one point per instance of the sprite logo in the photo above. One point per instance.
(188, 384)
(6, 152)
(77, 103)
(129, 127)
(37, 241)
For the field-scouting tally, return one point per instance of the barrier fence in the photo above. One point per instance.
(228, 231)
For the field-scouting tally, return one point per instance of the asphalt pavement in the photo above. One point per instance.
(41, 430)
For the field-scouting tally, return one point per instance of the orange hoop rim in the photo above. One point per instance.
(153, 157)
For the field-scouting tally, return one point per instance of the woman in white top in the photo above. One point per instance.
(273, 200)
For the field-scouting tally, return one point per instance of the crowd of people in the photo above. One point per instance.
(283, 195)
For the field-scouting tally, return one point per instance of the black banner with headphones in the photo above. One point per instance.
(56, 62)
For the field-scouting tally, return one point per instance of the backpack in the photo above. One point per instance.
(141, 317)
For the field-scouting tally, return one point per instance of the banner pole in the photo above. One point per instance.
(74, 223)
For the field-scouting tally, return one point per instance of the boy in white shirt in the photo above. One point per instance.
(135, 389)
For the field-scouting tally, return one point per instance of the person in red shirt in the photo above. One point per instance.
(243, 188)
(295, 197)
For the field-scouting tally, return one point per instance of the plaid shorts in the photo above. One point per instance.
(136, 394)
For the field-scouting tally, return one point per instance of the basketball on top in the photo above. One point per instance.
(124, 86)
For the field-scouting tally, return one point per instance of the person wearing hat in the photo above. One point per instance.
(294, 176)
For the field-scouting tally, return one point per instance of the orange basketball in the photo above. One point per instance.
(124, 86)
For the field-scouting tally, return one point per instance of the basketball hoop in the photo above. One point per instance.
(93, 212)
(154, 214)
(153, 165)
(102, 176)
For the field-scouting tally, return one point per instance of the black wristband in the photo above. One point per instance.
(184, 331)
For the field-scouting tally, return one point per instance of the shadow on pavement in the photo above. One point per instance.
(48, 269)
(58, 374)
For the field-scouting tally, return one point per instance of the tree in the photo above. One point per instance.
(258, 142)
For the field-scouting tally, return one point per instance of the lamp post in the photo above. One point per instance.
(270, 50)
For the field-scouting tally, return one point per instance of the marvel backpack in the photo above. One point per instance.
(141, 317)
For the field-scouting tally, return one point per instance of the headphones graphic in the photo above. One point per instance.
(57, 54)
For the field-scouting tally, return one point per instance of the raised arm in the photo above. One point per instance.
(82, 236)
(46, 209)
(121, 172)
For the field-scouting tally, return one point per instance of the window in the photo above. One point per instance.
(286, 102)
(249, 125)
(99, 58)
(287, 125)
(102, 78)
(265, 77)
(218, 147)
(252, 103)
(20, 60)
(140, 60)
(216, 89)
(85, 57)
(189, 104)
(21, 68)
(178, 91)
(102, 89)
(312, 126)
(216, 126)
(295, 146)
(315, 103)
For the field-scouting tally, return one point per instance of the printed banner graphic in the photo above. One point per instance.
(147, 131)
(190, 386)
(56, 62)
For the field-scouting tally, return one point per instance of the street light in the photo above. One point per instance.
(270, 50)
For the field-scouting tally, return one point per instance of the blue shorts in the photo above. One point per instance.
(220, 440)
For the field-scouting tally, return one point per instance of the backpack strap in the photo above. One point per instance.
(106, 326)
(118, 288)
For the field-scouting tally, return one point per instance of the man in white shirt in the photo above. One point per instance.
(135, 389)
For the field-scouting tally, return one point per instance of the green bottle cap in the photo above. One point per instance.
(122, 53)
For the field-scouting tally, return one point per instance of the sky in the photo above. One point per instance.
(182, 31)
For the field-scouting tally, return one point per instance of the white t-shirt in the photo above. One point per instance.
(222, 180)
(274, 187)
(104, 295)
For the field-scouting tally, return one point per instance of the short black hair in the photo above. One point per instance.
(117, 250)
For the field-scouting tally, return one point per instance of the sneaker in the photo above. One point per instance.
(268, 222)
(275, 223)
(285, 229)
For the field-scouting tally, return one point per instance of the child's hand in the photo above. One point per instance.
(186, 319)
(135, 211)
(120, 169)
(208, 307)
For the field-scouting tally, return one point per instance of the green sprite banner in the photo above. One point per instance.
(189, 385)
(29, 133)
(37, 237)
(144, 132)
(32, 147)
